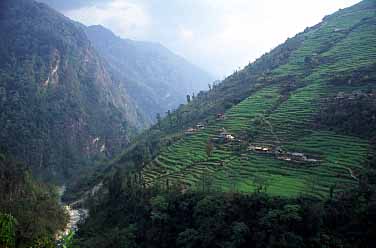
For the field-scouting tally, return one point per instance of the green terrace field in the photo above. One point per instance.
(343, 39)
(284, 122)
(185, 162)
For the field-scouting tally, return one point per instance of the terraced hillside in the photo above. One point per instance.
(277, 145)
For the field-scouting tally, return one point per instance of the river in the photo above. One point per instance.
(76, 215)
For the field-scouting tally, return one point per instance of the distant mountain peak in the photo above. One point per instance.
(149, 69)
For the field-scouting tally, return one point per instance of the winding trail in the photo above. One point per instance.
(352, 175)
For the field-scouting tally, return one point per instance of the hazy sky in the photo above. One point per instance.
(218, 35)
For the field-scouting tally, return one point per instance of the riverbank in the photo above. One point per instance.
(76, 215)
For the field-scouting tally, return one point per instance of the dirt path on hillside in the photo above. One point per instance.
(352, 175)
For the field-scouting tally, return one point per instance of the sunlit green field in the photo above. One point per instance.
(286, 123)
(186, 161)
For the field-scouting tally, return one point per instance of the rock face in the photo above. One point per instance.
(155, 78)
(60, 104)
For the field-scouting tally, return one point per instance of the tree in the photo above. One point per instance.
(209, 149)
(188, 98)
(239, 234)
(331, 191)
(190, 238)
(30, 213)
(206, 184)
(115, 186)
(7, 231)
(179, 118)
(232, 179)
(159, 120)
(169, 117)
(159, 207)
(261, 183)
(312, 184)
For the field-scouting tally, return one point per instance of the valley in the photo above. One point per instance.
(109, 142)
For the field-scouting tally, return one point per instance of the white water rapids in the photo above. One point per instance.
(76, 215)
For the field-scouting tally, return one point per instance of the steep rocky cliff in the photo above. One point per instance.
(60, 105)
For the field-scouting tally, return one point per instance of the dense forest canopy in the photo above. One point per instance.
(30, 213)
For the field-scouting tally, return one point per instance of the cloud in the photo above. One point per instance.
(218, 35)
(63, 5)
(122, 17)
(186, 34)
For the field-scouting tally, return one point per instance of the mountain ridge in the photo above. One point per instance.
(156, 78)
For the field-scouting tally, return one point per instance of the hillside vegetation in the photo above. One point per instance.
(279, 154)
(60, 106)
(30, 213)
(132, 216)
(284, 102)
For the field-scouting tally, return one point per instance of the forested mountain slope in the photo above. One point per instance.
(30, 213)
(302, 118)
(290, 163)
(60, 105)
(155, 78)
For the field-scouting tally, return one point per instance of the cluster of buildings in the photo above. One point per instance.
(193, 130)
(199, 126)
(260, 149)
(224, 137)
(296, 157)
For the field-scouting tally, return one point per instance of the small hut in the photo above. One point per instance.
(200, 126)
(190, 131)
(260, 149)
(223, 137)
(226, 136)
(297, 156)
(220, 117)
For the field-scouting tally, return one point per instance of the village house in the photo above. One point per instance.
(260, 149)
(220, 117)
(296, 157)
(224, 136)
(284, 158)
(200, 126)
(190, 131)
